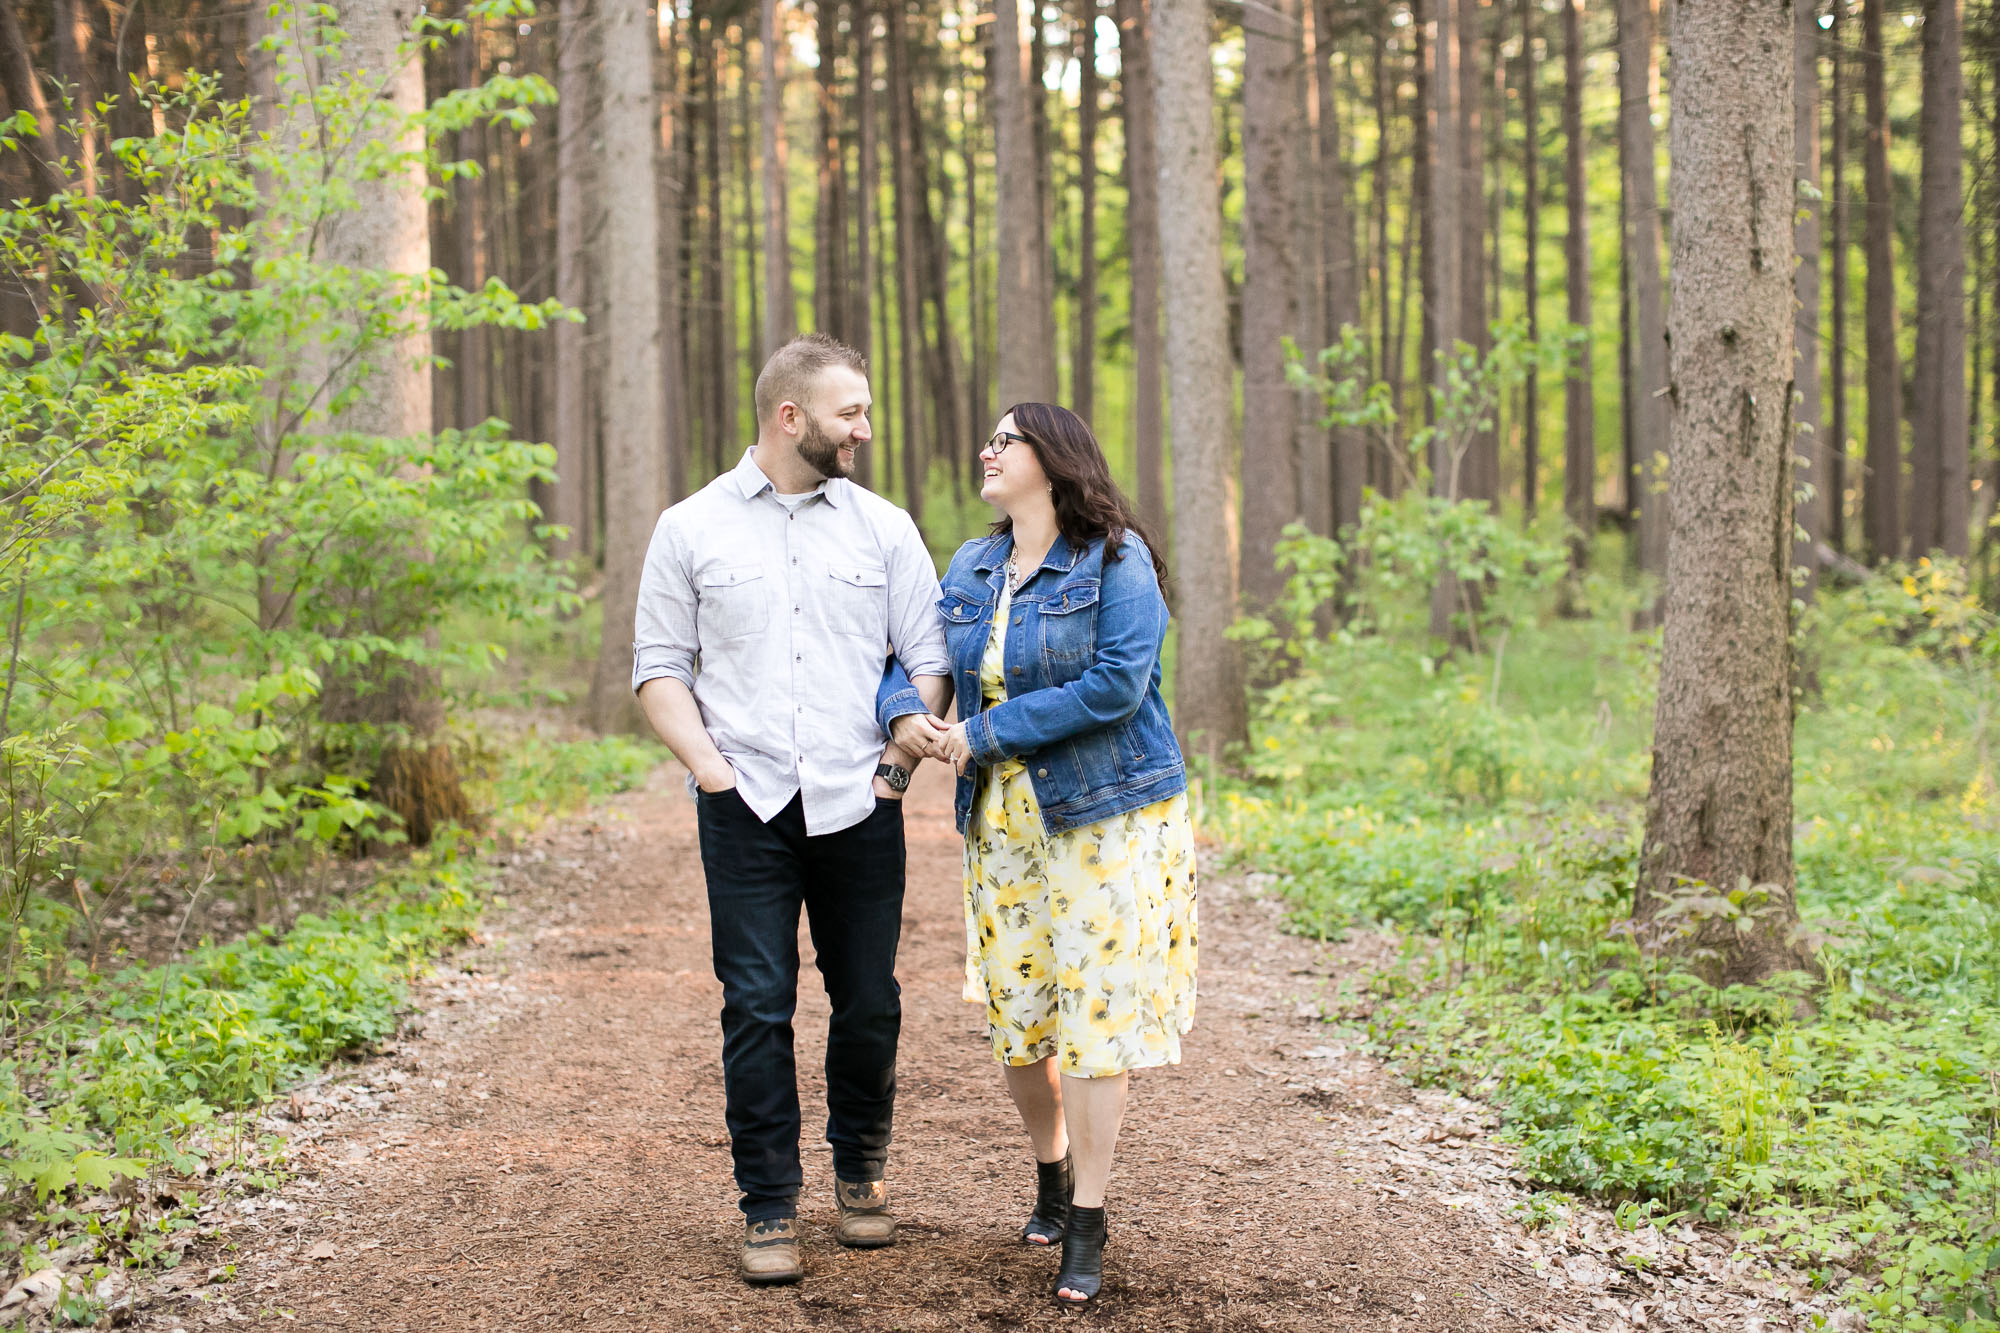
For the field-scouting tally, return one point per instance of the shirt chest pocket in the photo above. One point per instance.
(734, 602)
(857, 601)
(1069, 623)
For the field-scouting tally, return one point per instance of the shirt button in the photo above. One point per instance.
(795, 610)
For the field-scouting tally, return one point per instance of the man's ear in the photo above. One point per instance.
(789, 414)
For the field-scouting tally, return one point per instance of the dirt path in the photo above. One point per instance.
(549, 1153)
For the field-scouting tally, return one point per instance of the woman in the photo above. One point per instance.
(1079, 854)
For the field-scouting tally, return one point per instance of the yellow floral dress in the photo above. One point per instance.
(1082, 944)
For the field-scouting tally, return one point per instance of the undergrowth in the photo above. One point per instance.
(1488, 809)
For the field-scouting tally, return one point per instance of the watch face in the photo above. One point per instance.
(896, 776)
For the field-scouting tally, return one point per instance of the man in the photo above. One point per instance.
(767, 605)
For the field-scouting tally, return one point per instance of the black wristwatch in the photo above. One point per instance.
(895, 775)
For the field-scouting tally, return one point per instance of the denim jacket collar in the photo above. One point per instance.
(1062, 556)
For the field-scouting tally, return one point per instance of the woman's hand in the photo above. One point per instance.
(955, 749)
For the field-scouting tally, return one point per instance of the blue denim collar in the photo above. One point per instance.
(1062, 555)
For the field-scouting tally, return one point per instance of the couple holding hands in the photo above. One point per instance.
(765, 604)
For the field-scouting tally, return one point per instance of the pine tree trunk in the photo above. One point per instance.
(1142, 229)
(1531, 208)
(675, 188)
(1083, 356)
(1807, 442)
(1388, 364)
(830, 224)
(1271, 286)
(979, 400)
(1881, 494)
(1343, 273)
(1579, 406)
(867, 173)
(718, 287)
(634, 397)
(1720, 810)
(1026, 316)
(23, 86)
(70, 28)
(472, 366)
(1208, 689)
(743, 170)
(1647, 370)
(781, 318)
(1482, 460)
(389, 230)
(1835, 452)
(1941, 445)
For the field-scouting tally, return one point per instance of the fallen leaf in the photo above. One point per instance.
(37, 1291)
(323, 1250)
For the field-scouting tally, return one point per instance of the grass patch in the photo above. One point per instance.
(1489, 809)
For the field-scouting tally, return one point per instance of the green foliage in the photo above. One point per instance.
(1488, 810)
(194, 542)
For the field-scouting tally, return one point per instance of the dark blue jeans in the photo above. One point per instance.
(851, 885)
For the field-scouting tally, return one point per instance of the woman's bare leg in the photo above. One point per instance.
(1093, 1109)
(1033, 1088)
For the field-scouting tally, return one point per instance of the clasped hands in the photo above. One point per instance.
(930, 737)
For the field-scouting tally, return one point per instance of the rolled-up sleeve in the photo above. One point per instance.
(663, 631)
(916, 633)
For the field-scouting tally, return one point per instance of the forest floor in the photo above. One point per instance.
(543, 1147)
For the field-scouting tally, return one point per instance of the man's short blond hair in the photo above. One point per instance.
(794, 370)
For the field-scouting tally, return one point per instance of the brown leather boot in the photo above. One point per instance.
(771, 1252)
(865, 1220)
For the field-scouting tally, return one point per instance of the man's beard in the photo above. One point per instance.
(821, 452)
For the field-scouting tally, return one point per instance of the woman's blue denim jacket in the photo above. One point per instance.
(1083, 706)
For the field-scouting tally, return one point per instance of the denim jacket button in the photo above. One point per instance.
(1017, 620)
(1041, 772)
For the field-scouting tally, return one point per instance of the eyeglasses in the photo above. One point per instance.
(1001, 439)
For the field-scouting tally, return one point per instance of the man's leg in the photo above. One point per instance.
(854, 903)
(755, 886)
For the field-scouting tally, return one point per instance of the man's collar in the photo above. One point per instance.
(751, 481)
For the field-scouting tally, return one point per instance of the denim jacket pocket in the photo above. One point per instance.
(1069, 623)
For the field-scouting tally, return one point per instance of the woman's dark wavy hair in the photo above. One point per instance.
(1088, 502)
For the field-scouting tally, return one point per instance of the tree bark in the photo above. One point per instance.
(1579, 405)
(868, 173)
(1482, 460)
(781, 318)
(1835, 451)
(71, 29)
(575, 150)
(1343, 273)
(389, 230)
(1647, 371)
(1940, 452)
(1083, 356)
(1531, 209)
(1271, 286)
(1026, 358)
(1142, 227)
(1807, 444)
(473, 362)
(634, 397)
(1720, 809)
(830, 225)
(23, 86)
(673, 159)
(1881, 494)
(1208, 689)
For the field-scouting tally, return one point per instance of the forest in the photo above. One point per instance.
(1576, 431)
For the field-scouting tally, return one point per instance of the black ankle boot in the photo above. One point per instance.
(1082, 1258)
(1053, 1186)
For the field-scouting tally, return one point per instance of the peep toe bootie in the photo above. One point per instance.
(1053, 1186)
(1082, 1259)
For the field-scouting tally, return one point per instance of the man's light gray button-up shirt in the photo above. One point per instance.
(778, 618)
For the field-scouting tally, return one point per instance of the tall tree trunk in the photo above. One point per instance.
(1387, 364)
(1531, 207)
(635, 407)
(868, 172)
(1647, 371)
(1026, 316)
(1142, 227)
(1720, 810)
(1443, 303)
(909, 314)
(1579, 406)
(941, 359)
(1208, 688)
(473, 368)
(675, 188)
(71, 30)
(718, 290)
(1835, 452)
(23, 86)
(746, 231)
(1941, 445)
(389, 230)
(830, 224)
(781, 319)
(1271, 285)
(1881, 495)
(576, 57)
(979, 399)
(1343, 274)
(1807, 446)
(1482, 460)
(1083, 356)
